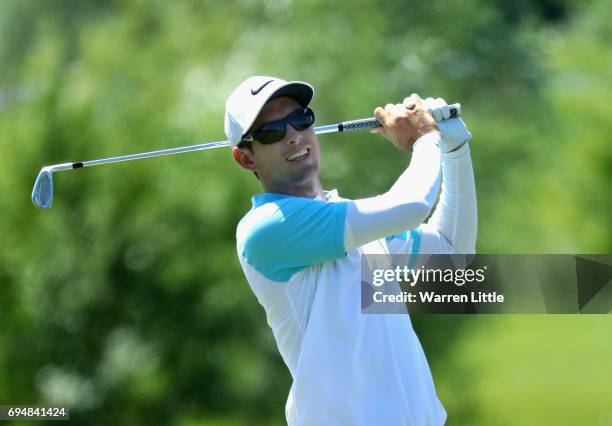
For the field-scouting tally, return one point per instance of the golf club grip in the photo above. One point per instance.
(369, 123)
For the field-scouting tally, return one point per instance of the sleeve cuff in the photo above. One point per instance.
(432, 138)
(464, 150)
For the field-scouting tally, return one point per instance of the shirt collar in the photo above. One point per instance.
(269, 197)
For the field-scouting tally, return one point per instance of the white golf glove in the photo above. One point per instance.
(454, 131)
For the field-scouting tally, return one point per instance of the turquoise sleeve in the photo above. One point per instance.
(295, 234)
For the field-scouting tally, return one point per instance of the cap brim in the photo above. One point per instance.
(301, 91)
(298, 90)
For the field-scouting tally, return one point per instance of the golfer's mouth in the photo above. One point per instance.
(300, 155)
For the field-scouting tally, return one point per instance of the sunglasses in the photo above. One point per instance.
(274, 131)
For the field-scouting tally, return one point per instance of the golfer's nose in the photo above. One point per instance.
(292, 136)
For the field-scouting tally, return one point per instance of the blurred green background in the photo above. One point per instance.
(126, 302)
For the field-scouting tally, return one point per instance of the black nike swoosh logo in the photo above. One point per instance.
(254, 92)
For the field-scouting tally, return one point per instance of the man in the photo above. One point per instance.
(300, 249)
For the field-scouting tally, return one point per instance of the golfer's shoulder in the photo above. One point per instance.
(274, 214)
(258, 219)
(279, 219)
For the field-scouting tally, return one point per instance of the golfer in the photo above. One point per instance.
(300, 248)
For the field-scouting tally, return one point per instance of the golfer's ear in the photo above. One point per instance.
(244, 158)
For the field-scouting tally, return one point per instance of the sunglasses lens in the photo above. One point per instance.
(275, 130)
(271, 137)
(302, 119)
(270, 133)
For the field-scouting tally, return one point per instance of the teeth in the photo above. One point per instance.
(298, 154)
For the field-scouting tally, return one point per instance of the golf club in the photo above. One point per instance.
(42, 193)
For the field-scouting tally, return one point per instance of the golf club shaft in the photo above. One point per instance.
(345, 126)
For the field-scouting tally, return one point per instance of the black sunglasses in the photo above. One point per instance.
(274, 131)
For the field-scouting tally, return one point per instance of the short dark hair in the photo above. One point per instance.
(246, 144)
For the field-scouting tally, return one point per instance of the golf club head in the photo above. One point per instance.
(42, 194)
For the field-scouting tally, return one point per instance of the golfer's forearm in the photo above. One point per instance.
(405, 205)
(455, 216)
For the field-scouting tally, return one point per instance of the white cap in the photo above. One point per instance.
(243, 105)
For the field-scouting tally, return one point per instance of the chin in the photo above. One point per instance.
(294, 177)
(307, 172)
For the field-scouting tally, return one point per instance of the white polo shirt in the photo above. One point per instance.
(348, 368)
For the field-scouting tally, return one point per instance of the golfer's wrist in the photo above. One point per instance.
(457, 148)
(431, 138)
(457, 152)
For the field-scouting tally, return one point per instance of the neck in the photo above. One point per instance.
(306, 190)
